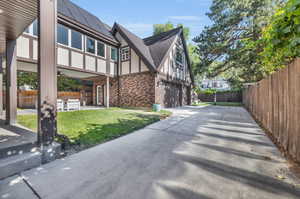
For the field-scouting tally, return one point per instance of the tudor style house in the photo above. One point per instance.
(126, 70)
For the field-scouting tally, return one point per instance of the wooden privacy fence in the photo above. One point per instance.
(28, 99)
(275, 103)
(230, 96)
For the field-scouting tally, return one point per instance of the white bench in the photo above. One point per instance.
(73, 104)
(60, 105)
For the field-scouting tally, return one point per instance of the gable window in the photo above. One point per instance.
(90, 45)
(113, 54)
(62, 35)
(179, 56)
(125, 54)
(76, 41)
(100, 49)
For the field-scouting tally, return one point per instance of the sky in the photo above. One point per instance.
(139, 15)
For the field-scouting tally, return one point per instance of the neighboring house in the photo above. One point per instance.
(218, 84)
(126, 70)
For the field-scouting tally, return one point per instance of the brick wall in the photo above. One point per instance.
(137, 90)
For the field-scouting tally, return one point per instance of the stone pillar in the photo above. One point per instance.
(11, 82)
(47, 72)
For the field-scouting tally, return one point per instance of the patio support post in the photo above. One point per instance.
(11, 82)
(47, 71)
(107, 92)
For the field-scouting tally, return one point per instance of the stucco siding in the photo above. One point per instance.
(35, 49)
(23, 47)
(63, 57)
(134, 62)
(90, 63)
(101, 66)
(77, 60)
(125, 68)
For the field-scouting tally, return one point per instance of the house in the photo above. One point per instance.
(53, 37)
(126, 70)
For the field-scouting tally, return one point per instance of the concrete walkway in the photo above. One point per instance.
(200, 152)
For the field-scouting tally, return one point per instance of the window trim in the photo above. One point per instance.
(69, 36)
(85, 50)
(121, 54)
(111, 47)
(97, 41)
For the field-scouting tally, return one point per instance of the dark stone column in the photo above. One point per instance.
(47, 71)
(11, 82)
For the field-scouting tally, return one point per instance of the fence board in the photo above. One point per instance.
(275, 102)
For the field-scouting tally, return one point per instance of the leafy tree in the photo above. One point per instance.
(63, 83)
(231, 43)
(159, 28)
(281, 39)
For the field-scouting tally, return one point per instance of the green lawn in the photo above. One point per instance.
(219, 104)
(97, 126)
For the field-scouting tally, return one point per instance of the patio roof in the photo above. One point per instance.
(15, 16)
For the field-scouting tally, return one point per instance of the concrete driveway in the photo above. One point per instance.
(200, 152)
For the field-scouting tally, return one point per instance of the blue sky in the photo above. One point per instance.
(140, 15)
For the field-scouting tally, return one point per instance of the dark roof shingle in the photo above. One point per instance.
(71, 10)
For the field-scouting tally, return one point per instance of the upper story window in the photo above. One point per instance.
(100, 49)
(113, 54)
(179, 56)
(125, 54)
(35, 28)
(90, 45)
(76, 40)
(32, 29)
(62, 35)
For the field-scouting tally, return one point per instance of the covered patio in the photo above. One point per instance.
(15, 17)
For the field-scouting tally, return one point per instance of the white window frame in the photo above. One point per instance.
(125, 56)
(111, 54)
(69, 37)
(97, 48)
(70, 40)
(86, 38)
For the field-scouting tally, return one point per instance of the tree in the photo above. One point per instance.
(63, 83)
(159, 28)
(230, 44)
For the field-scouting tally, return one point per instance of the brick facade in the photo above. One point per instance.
(137, 90)
(143, 90)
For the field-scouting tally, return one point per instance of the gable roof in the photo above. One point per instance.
(74, 12)
(160, 44)
(151, 49)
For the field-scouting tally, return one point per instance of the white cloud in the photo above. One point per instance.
(185, 18)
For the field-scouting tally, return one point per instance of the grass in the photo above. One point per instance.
(219, 104)
(93, 127)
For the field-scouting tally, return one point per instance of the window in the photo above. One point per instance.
(76, 41)
(35, 28)
(100, 49)
(62, 35)
(179, 56)
(125, 54)
(90, 45)
(113, 54)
